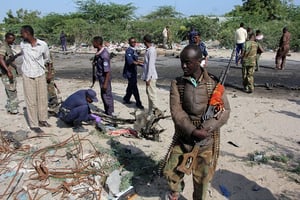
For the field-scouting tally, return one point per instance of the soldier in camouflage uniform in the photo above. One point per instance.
(52, 96)
(189, 97)
(9, 74)
(249, 63)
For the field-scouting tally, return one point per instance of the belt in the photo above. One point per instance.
(64, 110)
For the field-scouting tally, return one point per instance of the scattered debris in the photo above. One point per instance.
(71, 169)
(148, 126)
(258, 157)
(229, 142)
(113, 183)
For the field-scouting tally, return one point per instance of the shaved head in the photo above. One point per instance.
(190, 58)
(191, 52)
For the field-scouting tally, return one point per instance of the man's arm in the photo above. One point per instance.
(105, 85)
(285, 40)
(151, 65)
(205, 53)
(3, 64)
(46, 54)
(244, 51)
(215, 123)
(49, 67)
(130, 58)
(179, 116)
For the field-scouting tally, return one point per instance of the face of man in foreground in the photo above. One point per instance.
(190, 63)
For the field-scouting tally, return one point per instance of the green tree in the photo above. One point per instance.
(163, 12)
(94, 11)
(265, 9)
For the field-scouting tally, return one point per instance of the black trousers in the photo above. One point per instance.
(132, 89)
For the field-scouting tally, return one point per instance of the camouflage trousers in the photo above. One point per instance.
(52, 96)
(202, 172)
(248, 78)
(11, 92)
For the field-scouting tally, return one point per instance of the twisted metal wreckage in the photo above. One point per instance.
(71, 169)
(44, 168)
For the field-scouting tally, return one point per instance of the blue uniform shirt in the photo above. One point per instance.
(202, 47)
(102, 62)
(130, 69)
(75, 100)
(191, 36)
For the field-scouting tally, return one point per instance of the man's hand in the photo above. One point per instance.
(200, 133)
(141, 63)
(104, 88)
(148, 83)
(49, 77)
(10, 75)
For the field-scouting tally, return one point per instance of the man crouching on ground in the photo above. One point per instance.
(75, 109)
(189, 97)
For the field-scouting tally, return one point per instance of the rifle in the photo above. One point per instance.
(216, 104)
(94, 74)
(215, 107)
(10, 60)
(113, 119)
(58, 91)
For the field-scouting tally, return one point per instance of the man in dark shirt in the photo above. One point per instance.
(130, 72)
(283, 50)
(63, 41)
(202, 47)
(191, 35)
(102, 64)
(75, 109)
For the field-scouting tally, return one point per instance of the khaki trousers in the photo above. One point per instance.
(36, 99)
(151, 91)
(203, 171)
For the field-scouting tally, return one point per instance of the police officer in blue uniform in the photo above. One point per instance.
(198, 41)
(75, 109)
(191, 34)
(103, 68)
(130, 72)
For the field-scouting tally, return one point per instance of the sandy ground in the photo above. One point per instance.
(266, 121)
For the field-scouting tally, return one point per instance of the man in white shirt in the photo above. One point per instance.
(35, 56)
(150, 74)
(165, 37)
(240, 39)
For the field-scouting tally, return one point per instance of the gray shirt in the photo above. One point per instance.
(149, 64)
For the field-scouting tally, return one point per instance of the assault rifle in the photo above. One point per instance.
(10, 61)
(94, 76)
(215, 107)
(94, 73)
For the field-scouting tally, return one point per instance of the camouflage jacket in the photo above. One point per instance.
(250, 52)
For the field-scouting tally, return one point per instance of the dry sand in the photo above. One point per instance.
(258, 123)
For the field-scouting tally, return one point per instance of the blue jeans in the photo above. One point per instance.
(239, 48)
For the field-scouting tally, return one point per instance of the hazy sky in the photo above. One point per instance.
(187, 7)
